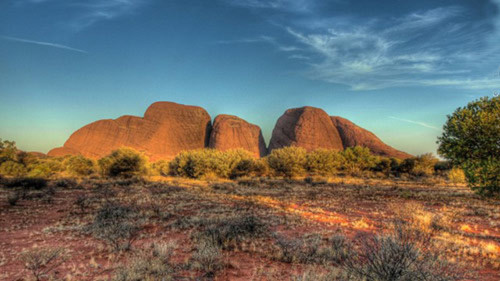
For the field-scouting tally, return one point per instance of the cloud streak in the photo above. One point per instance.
(423, 124)
(85, 13)
(41, 43)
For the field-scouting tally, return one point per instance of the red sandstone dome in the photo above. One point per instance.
(166, 129)
(307, 127)
(230, 132)
(353, 135)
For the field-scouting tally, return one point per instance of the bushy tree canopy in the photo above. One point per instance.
(471, 139)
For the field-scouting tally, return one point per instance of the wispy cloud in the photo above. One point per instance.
(440, 46)
(423, 124)
(261, 39)
(289, 5)
(85, 13)
(41, 43)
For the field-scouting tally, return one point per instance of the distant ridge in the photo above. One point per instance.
(168, 128)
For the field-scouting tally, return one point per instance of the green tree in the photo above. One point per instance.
(8, 151)
(471, 140)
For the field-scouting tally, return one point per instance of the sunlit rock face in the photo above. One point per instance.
(166, 129)
(307, 127)
(353, 135)
(232, 132)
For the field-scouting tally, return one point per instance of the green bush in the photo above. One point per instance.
(161, 168)
(115, 224)
(419, 166)
(13, 169)
(424, 165)
(470, 140)
(357, 159)
(152, 264)
(123, 162)
(199, 163)
(212, 163)
(45, 168)
(323, 162)
(79, 166)
(456, 175)
(288, 161)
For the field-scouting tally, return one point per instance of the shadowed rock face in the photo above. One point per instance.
(353, 135)
(230, 132)
(166, 129)
(307, 127)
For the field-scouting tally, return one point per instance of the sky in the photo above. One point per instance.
(394, 67)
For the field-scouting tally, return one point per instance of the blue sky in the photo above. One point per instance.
(394, 67)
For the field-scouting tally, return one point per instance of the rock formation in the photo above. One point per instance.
(353, 135)
(230, 132)
(307, 127)
(166, 129)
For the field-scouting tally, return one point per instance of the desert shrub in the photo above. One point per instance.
(288, 161)
(323, 162)
(397, 257)
(419, 166)
(470, 140)
(161, 168)
(207, 258)
(28, 159)
(233, 231)
(241, 162)
(41, 261)
(45, 168)
(212, 163)
(243, 168)
(83, 203)
(199, 163)
(310, 248)
(383, 165)
(357, 159)
(123, 162)
(442, 167)
(115, 225)
(456, 175)
(261, 167)
(154, 264)
(424, 165)
(79, 166)
(13, 169)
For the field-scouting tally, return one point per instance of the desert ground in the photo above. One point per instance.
(169, 228)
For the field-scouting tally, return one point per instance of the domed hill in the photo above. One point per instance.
(166, 129)
(231, 132)
(307, 127)
(353, 135)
